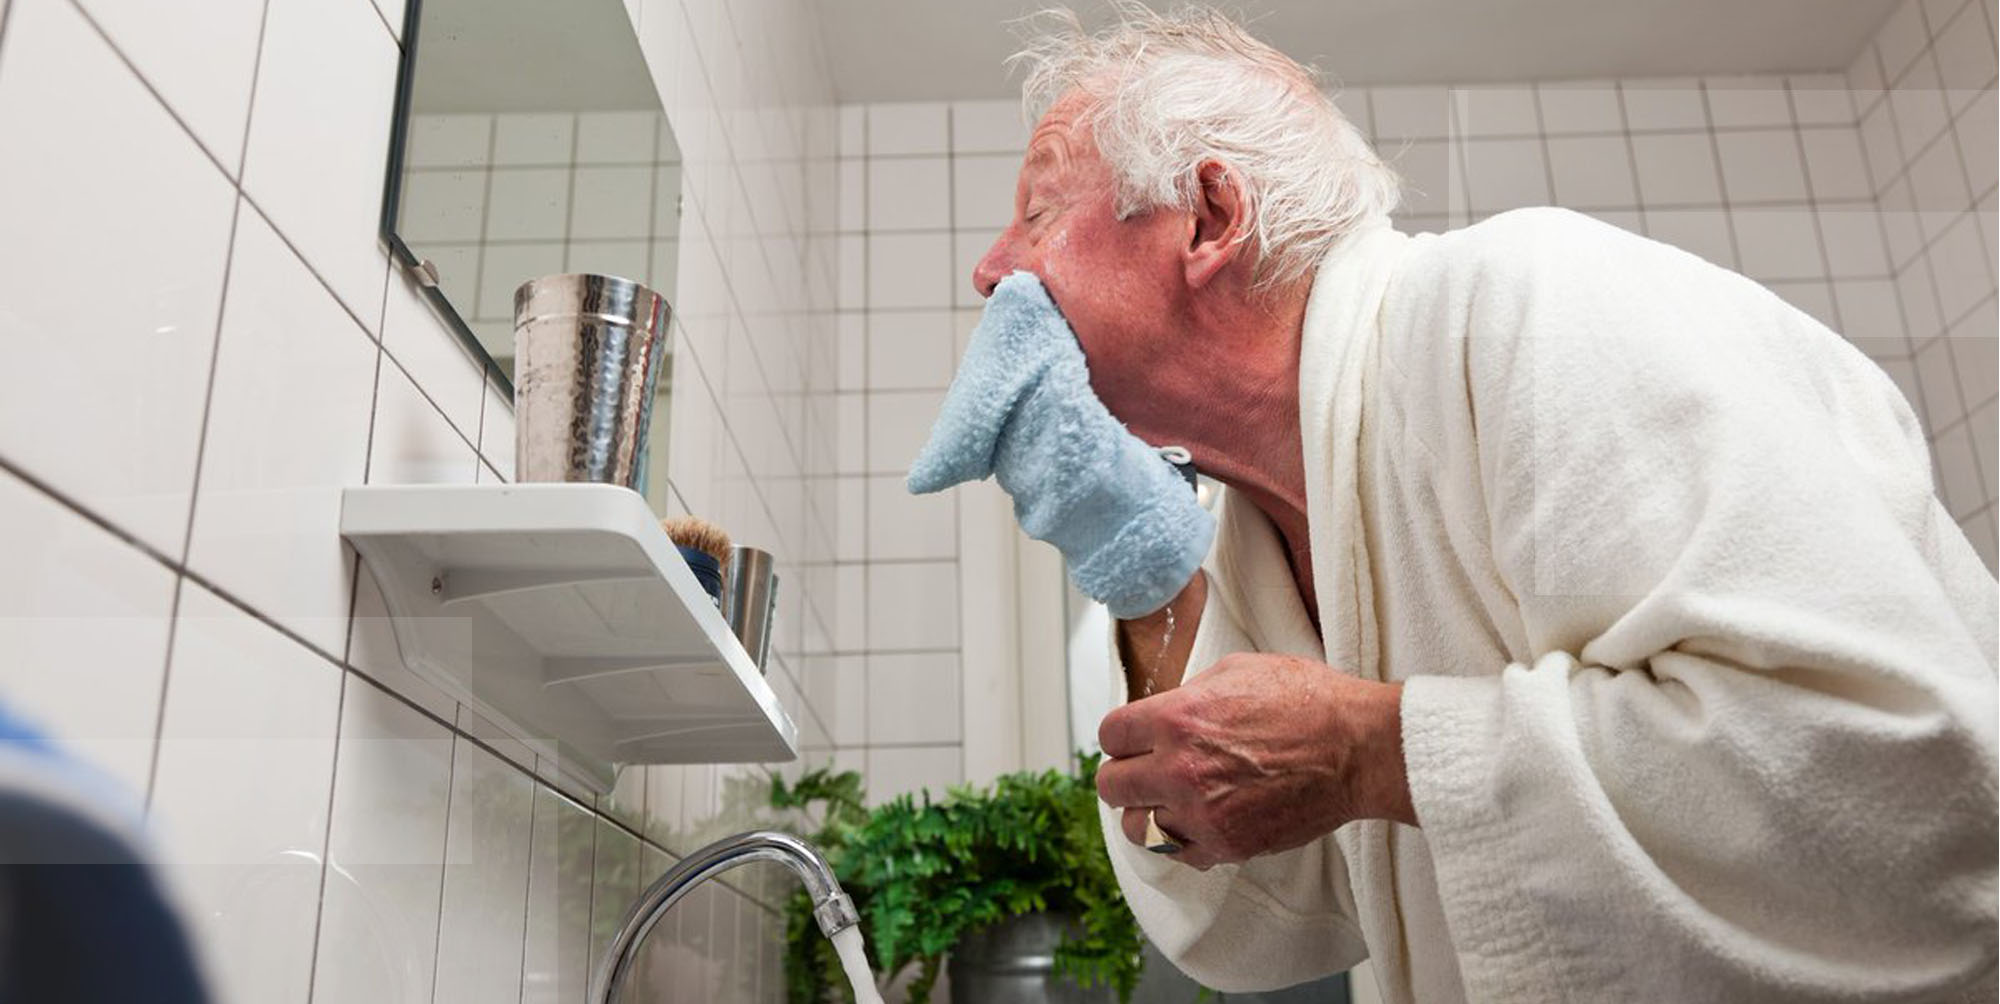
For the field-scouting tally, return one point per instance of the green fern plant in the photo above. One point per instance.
(924, 873)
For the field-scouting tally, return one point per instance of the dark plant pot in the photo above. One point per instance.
(1014, 962)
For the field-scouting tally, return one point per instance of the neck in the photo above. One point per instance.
(1238, 414)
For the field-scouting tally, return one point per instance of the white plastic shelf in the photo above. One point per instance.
(564, 612)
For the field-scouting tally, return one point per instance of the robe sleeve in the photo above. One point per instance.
(1274, 921)
(1752, 754)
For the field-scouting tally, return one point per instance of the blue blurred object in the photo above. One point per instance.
(1021, 409)
(83, 918)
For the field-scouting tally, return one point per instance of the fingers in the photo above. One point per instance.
(1129, 730)
(1134, 825)
(1136, 781)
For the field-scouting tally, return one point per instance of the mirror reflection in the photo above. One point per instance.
(535, 144)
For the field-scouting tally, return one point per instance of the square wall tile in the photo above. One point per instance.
(200, 59)
(410, 442)
(1937, 374)
(1701, 232)
(617, 137)
(1592, 172)
(912, 606)
(1778, 243)
(1901, 38)
(612, 202)
(913, 698)
(1495, 111)
(319, 135)
(557, 963)
(442, 205)
(134, 198)
(983, 191)
(1735, 102)
(530, 203)
(1664, 104)
(544, 139)
(287, 431)
(1677, 169)
(1853, 242)
(83, 633)
(1958, 473)
(987, 127)
(1822, 99)
(1505, 174)
(449, 141)
(1870, 316)
(909, 350)
(1409, 113)
(241, 793)
(899, 770)
(1433, 177)
(1917, 104)
(378, 918)
(902, 526)
(908, 128)
(1836, 167)
(1580, 106)
(898, 424)
(837, 689)
(1761, 166)
(431, 352)
(1960, 268)
(484, 905)
(909, 193)
(1977, 143)
(909, 270)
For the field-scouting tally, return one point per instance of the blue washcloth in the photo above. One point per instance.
(1021, 409)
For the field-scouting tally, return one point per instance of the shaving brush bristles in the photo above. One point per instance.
(700, 534)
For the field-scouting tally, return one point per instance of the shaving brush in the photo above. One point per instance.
(705, 548)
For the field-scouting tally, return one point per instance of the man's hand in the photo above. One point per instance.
(1261, 753)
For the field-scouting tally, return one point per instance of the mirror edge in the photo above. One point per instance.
(392, 201)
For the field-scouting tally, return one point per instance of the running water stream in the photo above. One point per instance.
(855, 961)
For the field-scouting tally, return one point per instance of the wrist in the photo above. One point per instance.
(1384, 778)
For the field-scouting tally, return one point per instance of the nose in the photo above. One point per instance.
(993, 267)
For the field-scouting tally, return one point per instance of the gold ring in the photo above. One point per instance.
(1157, 839)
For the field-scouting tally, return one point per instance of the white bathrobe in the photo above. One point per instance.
(1699, 686)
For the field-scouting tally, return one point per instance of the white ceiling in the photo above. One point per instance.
(906, 50)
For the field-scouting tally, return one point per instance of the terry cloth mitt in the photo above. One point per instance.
(1021, 409)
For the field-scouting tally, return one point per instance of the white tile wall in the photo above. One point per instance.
(178, 606)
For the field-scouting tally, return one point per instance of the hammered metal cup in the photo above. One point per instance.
(587, 353)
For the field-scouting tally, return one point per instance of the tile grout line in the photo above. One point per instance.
(1839, 324)
(1721, 178)
(326, 839)
(528, 888)
(444, 855)
(160, 713)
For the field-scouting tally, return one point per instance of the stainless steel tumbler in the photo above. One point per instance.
(749, 597)
(587, 353)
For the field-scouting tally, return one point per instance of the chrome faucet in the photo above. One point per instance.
(831, 907)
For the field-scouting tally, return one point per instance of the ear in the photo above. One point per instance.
(1219, 221)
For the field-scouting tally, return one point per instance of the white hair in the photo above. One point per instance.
(1166, 93)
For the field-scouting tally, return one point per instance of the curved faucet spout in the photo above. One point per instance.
(831, 907)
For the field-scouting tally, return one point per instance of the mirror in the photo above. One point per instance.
(529, 140)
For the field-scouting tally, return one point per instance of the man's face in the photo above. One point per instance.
(1118, 282)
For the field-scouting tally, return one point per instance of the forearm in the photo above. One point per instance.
(1154, 649)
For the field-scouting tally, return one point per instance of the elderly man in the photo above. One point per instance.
(1579, 623)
